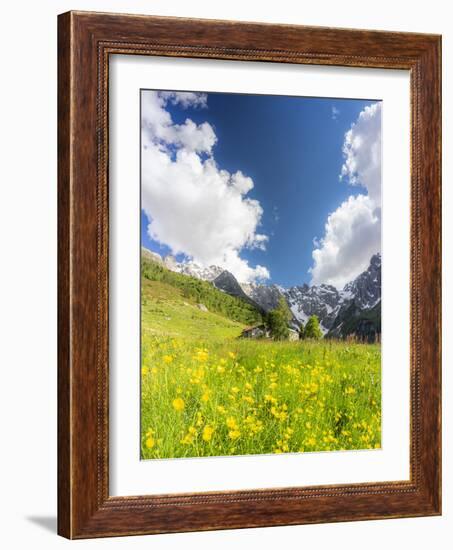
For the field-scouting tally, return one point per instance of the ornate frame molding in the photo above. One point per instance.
(86, 40)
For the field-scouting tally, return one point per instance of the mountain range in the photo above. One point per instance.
(356, 309)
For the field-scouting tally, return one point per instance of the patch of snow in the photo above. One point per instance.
(299, 313)
(346, 294)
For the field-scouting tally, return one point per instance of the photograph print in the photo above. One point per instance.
(260, 274)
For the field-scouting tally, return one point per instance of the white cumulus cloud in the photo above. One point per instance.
(194, 207)
(352, 236)
(352, 232)
(362, 152)
(186, 99)
(159, 129)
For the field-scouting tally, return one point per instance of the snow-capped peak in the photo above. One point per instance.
(325, 301)
(193, 269)
(366, 288)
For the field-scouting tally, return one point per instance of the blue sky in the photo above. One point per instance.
(292, 149)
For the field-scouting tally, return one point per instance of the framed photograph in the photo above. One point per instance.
(249, 275)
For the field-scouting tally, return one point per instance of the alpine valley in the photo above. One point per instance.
(354, 310)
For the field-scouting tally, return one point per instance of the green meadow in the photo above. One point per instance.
(206, 392)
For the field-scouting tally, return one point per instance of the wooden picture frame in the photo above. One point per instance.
(85, 42)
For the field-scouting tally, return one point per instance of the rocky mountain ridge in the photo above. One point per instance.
(355, 308)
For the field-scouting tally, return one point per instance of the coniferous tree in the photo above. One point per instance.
(301, 332)
(312, 328)
(278, 320)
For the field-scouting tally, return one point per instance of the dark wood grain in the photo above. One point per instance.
(64, 367)
(85, 42)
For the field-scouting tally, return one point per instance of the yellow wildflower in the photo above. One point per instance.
(248, 399)
(167, 359)
(231, 422)
(178, 404)
(205, 397)
(270, 399)
(150, 442)
(186, 440)
(207, 433)
(201, 355)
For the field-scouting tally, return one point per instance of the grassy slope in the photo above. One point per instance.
(198, 291)
(166, 311)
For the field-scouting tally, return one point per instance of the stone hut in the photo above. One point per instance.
(258, 331)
